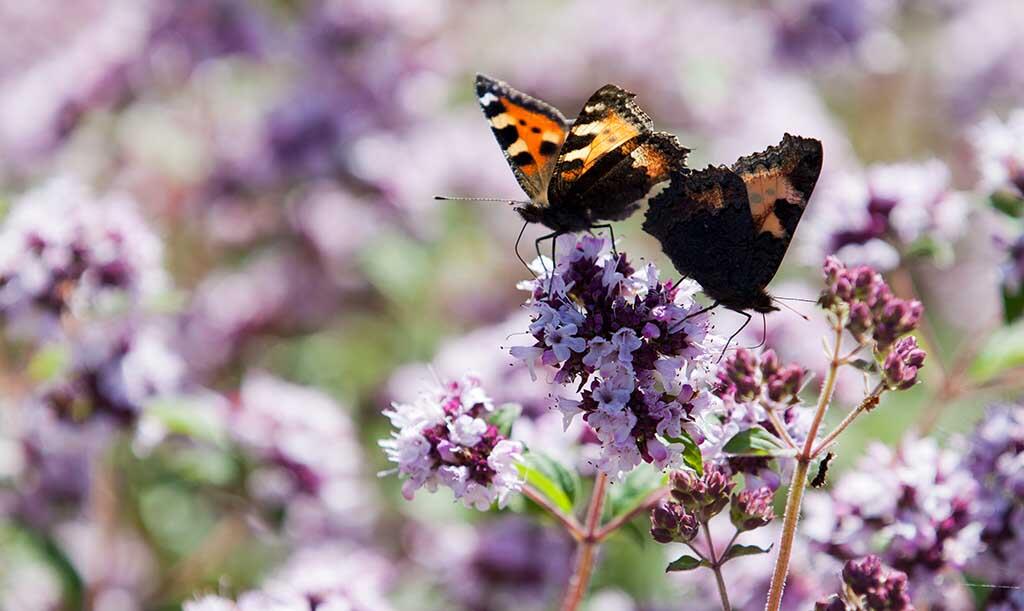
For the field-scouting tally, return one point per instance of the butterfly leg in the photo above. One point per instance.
(536, 245)
(764, 332)
(701, 311)
(519, 256)
(611, 232)
(733, 336)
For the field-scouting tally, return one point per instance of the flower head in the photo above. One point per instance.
(670, 523)
(752, 509)
(443, 438)
(868, 584)
(630, 343)
(703, 496)
(899, 370)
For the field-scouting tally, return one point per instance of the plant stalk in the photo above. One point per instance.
(580, 579)
(795, 495)
(717, 569)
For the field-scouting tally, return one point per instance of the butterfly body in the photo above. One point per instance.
(601, 167)
(729, 228)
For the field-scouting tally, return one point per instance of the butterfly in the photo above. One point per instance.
(578, 176)
(729, 228)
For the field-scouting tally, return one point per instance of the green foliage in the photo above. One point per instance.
(1003, 350)
(755, 441)
(504, 417)
(686, 563)
(738, 551)
(549, 477)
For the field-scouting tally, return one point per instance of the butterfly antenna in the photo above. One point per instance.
(803, 299)
(455, 198)
(790, 308)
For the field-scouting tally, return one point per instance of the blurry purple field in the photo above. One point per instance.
(250, 364)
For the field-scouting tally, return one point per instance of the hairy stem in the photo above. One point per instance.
(717, 569)
(580, 579)
(867, 404)
(652, 499)
(795, 495)
(567, 521)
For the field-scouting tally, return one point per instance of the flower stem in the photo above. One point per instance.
(567, 521)
(717, 569)
(868, 403)
(652, 499)
(796, 487)
(580, 579)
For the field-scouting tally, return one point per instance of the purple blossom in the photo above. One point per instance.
(443, 438)
(752, 508)
(745, 377)
(911, 506)
(62, 250)
(809, 31)
(995, 459)
(862, 302)
(670, 523)
(891, 212)
(628, 342)
(869, 585)
(999, 153)
(320, 578)
(901, 365)
(308, 458)
(703, 496)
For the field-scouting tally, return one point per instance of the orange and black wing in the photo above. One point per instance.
(779, 183)
(529, 132)
(612, 161)
(610, 124)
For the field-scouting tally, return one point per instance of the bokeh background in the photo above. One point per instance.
(199, 410)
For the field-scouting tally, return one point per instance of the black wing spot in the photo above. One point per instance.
(523, 158)
(494, 109)
(507, 136)
(522, 122)
(535, 130)
(548, 148)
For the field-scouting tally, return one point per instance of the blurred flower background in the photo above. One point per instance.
(220, 264)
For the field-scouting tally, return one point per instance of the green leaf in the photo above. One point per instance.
(505, 416)
(1013, 305)
(551, 479)
(864, 365)
(1003, 350)
(626, 495)
(755, 441)
(1008, 203)
(927, 247)
(180, 416)
(738, 551)
(49, 362)
(685, 563)
(691, 452)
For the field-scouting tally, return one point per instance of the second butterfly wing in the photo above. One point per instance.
(729, 228)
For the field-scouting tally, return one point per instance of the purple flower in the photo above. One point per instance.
(62, 250)
(893, 211)
(901, 365)
(862, 302)
(752, 509)
(443, 438)
(746, 377)
(870, 585)
(308, 460)
(912, 507)
(999, 153)
(995, 459)
(629, 343)
(670, 523)
(327, 578)
(703, 496)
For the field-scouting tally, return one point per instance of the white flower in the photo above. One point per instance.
(562, 342)
(466, 430)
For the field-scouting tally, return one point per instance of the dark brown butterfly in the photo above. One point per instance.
(729, 228)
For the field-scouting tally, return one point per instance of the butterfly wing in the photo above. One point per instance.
(703, 222)
(634, 179)
(529, 132)
(605, 132)
(779, 182)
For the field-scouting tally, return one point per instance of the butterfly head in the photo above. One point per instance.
(531, 213)
(762, 303)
